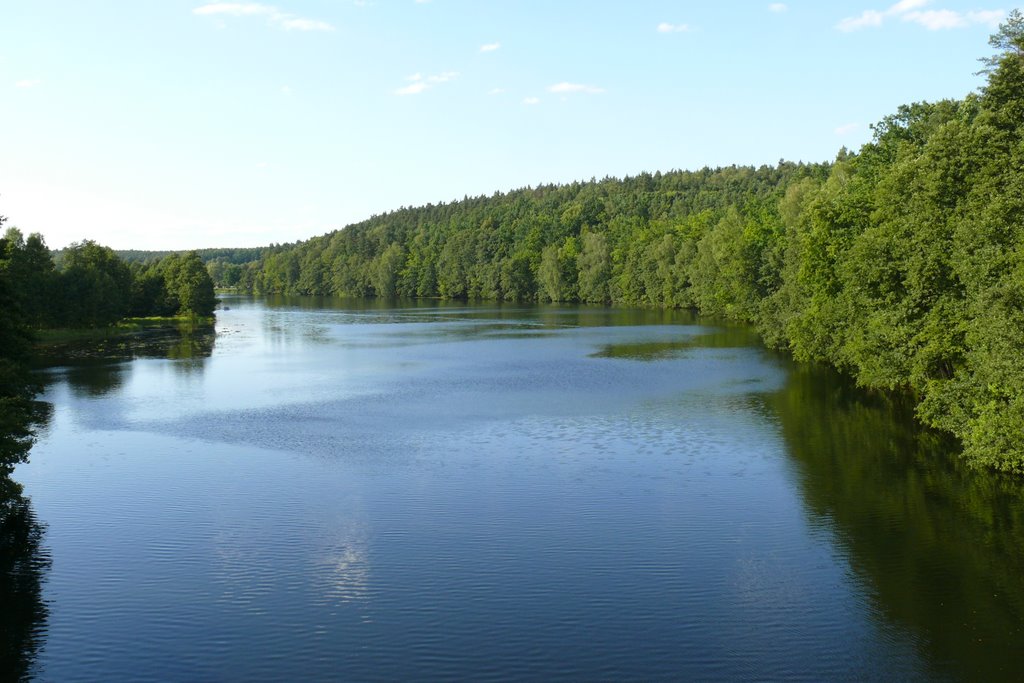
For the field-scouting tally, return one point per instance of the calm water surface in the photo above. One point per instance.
(331, 491)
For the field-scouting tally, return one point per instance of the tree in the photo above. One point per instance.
(31, 276)
(1008, 41)
(95, 286)
(188, 284)
(593, 266)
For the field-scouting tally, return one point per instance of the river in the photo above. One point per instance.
(331, 490)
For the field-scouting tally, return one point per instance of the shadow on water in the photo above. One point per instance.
(97, 367)
(179, 342)
(23, 566)
(518, 314)
(720, 338)
(940, 547)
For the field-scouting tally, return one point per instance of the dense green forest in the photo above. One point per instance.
(89, 285)
(900, 263)
(224, 265)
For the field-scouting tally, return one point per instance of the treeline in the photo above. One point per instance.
(235, 255)
(901, 263)
(93, 287)
(226, 266)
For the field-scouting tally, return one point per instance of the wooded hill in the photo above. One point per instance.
(900, 263)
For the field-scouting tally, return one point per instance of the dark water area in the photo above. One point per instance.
(333, 490)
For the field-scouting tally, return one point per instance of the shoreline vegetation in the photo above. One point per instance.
(123, 328)
(900, 264)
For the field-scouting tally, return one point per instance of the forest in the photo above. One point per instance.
(900, 263)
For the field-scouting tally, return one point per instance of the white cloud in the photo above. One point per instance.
(935, 20)
(496, 91)
(27, 83)
(418, 83)
(665, 27)
(778, 7)
(286, 89)
(906, 5)
(490, 47)
(531, 100)
(869, 18)
(262, 165)
(992, 17)
(911, 11)
(847, 128)
(282, 20)
(413, 88)
(564, 87)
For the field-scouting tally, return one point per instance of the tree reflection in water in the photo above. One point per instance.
(23, 566)
(940, 547)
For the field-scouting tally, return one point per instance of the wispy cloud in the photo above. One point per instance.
(490, 47)
(778, 7)
(847, 129)
(565, 88)
(277, 18)
(413, 88)
(28, 83)
(912, 11)
(495, 91)
(665, 27)
(418, 83)
(936, 20)
(868, 17)
(531, 100)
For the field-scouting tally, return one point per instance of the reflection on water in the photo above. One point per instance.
(695, 338)
(101, 366)
(940, 546)
(180, 340)
(23, 566)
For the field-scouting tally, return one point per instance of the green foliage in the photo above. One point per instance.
(188, 284)
(16, 386)
(94, 285)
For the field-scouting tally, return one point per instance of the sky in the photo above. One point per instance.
(177, 124)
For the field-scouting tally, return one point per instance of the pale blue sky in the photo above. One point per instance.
(177, 124)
